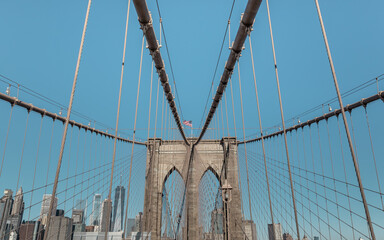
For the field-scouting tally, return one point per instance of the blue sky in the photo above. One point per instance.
(40, 42)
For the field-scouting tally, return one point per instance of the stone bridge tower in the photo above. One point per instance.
(164, 157)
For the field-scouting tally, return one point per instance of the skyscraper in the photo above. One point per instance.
(60, 228)
(45, 205)
(5, 211)
(96, 210)
(138, 222)
(250, 229)
(118, 209)
(81, 204)
(31, 230)
(278, 234)
(17, 212)
(105, 211)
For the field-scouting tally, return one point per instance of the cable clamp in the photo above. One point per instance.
(154, 52)
(248, 29)
(146, 26)
(159, 70)
(237, 54)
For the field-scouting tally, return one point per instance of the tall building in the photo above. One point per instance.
(250, 229)
(45, 205)
(105, 211)
(118, 209)
(81, 204)
(98, 236)
(31, 230)
(18, 204)
(138, 222)
(277, 234)
(78, 220)
(287, 236)
(14, 220)
(96, 210)
(60, 228)
(5, 212)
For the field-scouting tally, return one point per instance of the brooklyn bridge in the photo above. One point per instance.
(191, 120)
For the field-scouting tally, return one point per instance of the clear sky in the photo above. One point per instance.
(40, 42)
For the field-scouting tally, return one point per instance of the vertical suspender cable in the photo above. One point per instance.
(157, 106)
(150, 101)
(133, 137)
(245, 146)
(226, 112)
(282, 120)
(22, 151)
(261, 132)
(117, 121)
(357, 171)
(49, 156)
(233, 109)
(66, 123)
(6, 139)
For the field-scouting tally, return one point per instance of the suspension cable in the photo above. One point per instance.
(282, 119)
(6, 139)
(134, 134)
(246, 24)
(261, 131)
(66, 123)
(245, 146)
(354, 159)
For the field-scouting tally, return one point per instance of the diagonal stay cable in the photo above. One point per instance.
(169, 59)
(218, 61)
(245, 28)
(145, 21)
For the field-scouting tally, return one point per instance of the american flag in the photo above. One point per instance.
(188, 123)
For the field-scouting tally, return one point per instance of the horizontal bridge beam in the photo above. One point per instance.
(145, 21)
(245, 28)
(29, 107)
(349, 107)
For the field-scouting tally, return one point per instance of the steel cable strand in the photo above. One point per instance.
(6, 139)
(264, 207)
(218, 61)
(261, 128)
(63, 191)
(351, 145)
(306, 175)
(67, 121)
(134, 134)
(245, 146)
(281, 197)
(279, 166)
(322, 171)
(345, 177)
(70, 236)
(69, 160)
(373, 155)
(337, 180)
(281, 181)
(328, 188)
(333, 174)
(282, 118)
(324, 221)
(58, 204)
(22, 151)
